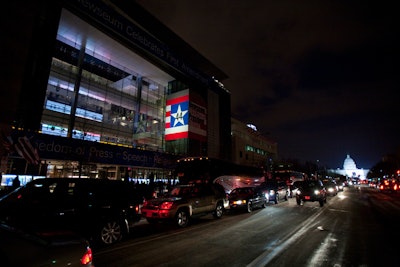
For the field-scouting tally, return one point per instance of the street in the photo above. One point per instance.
(358, 227)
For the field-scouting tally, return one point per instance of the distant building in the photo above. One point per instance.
(250, 147)
(350, 169)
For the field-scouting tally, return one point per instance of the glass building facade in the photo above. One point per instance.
(94, 93)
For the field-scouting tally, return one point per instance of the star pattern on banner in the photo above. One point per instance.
(178, 116)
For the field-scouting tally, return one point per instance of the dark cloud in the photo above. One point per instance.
(321, 77)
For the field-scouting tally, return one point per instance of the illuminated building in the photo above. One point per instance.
(350, 169)
(250, 147)
(97, 89)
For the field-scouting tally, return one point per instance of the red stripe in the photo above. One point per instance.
(178, 100)
(170, 137)
(168, 125)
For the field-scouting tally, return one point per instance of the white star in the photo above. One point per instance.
(179, 116)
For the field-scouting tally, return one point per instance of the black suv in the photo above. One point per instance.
(101, 210)
(187, 201)
(311, 190)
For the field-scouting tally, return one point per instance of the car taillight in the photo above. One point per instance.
(138, 209)
(166, 205)
(87, 257)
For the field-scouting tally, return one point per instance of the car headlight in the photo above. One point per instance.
(317, 192)
(271, 192)
(298, 192)
(239, 202)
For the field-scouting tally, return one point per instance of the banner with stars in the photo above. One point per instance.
(177, 117)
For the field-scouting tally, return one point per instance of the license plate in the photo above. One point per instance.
(307, 197)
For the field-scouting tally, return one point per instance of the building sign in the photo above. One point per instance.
(60, 148)
(177, 116)
(107, 16)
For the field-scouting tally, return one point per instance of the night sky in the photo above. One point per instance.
(319, 77)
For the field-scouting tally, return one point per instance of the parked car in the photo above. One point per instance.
(247, 198)
(102, 210)
(184, 202)
(275, 190)
(18, 248)
(311, 190)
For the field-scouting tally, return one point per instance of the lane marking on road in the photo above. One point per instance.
(270, 254)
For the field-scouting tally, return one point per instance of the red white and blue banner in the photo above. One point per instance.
(177, 116)
(186, 117)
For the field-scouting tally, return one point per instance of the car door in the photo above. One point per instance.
(282, 190)
(68, 205)
(205, 199)
(256, 195)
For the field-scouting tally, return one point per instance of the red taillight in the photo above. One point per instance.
(166, 205)
(87, 257)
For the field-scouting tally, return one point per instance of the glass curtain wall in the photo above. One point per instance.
(91, 97)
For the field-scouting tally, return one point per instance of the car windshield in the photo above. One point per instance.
(241, 191)
(310, 184)
(269, 183)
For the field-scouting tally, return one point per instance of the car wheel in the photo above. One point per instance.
(249, 207)
(264, 205)
(110, 232)
(219, 209)
(286, 196)
(182, 218)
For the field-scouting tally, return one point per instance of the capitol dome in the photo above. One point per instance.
(349, 164)
(350, 169)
